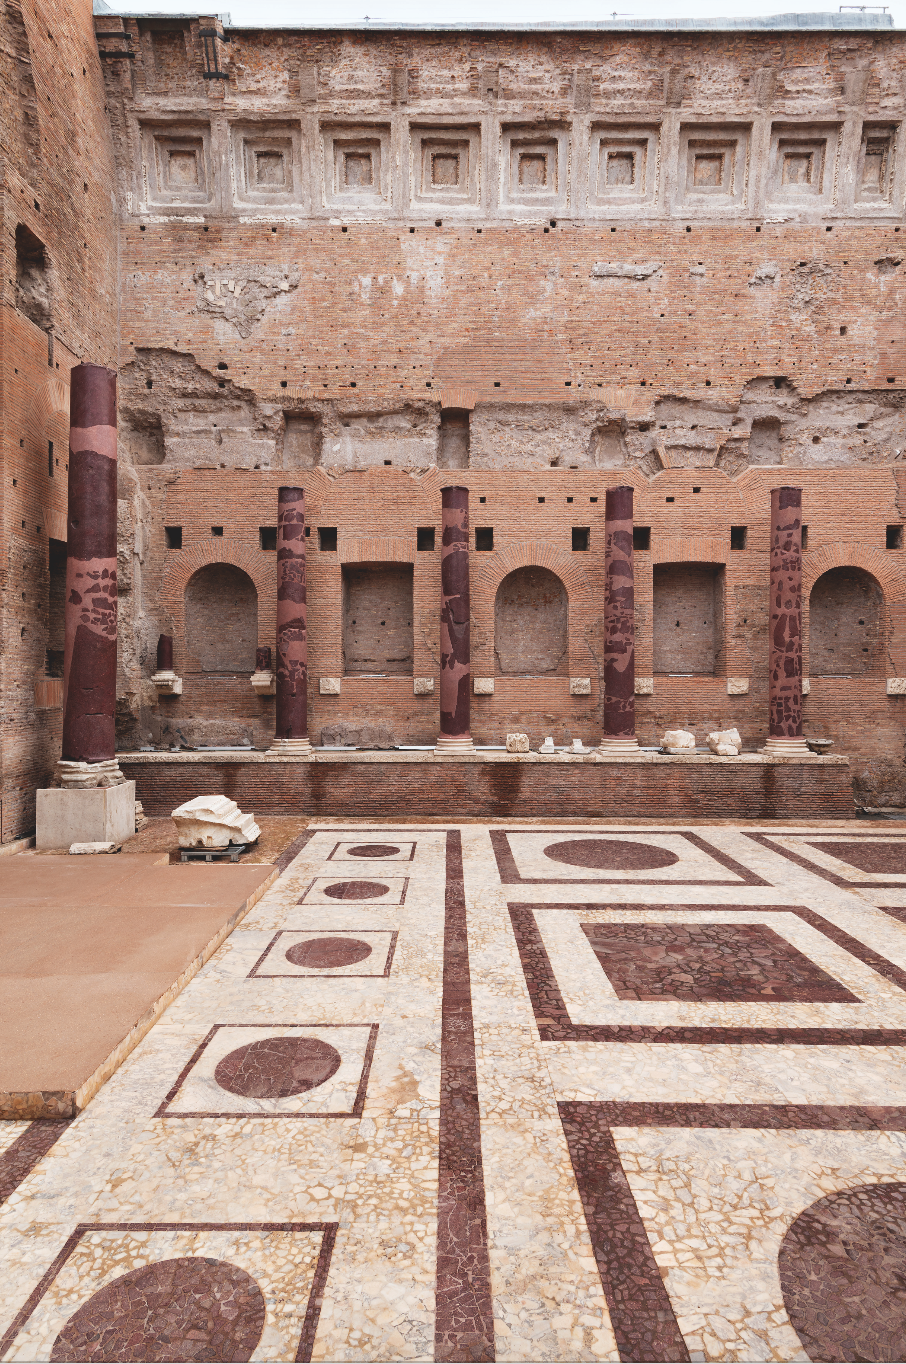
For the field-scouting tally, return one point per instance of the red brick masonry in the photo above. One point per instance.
(681, 789)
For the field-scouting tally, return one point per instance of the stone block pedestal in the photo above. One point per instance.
(99, 815)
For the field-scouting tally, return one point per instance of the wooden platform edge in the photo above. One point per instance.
(27, 1105)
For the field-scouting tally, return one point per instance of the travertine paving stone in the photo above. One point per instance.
(515, 1092)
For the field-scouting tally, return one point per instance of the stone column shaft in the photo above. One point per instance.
(619, 625)
(89, 669)
(165, 653)
(785, 662)
(292, 637)
(455, 656)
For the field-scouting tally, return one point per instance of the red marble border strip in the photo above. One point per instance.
(464, 1321)
(393, 934)
(292, 852)
(316, 1295)
(554, 1023)
(823, 872)
(310, 1326)
(410, 858)
(32, 1145)
(354, 1112)
(641, 1314)
(773, 1117)
(509, 872)
(854, 946)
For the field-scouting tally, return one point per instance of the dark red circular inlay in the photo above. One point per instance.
(373, 850)
(186, 1309)
(277, 1067)
(843, 1274)
(327, 952)
(610, 854)
(356, 890)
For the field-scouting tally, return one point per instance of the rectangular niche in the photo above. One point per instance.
(803, 165)
(266, 163)
(377, 620)
(357, 166)
(444, 167)
(177, 164)
(534, 167)
(714, 164)
(688, 618)
(875, 167)
(623, 168)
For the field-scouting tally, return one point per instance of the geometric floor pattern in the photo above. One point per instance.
(499, 1092)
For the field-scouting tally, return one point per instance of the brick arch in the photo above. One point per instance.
(182, 564)
(489, 571)
(533, 553)
(846, 554)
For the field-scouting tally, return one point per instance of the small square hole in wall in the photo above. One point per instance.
(217, 530)
(641, 538)
(738, 537)
(174, 536)
(894, 537)
(267, 537)
(424, 538)
(484, 538)
(327, 538)
(581, 536)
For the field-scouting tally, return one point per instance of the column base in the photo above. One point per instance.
(292, 748)
(79, 776)
(458, 743)
(787, 748)
(619, 748)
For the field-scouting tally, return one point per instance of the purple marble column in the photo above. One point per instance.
(165, 654)
(785, 661)
(455, 656)
(89, 669)
(619, 625)
(292, 638)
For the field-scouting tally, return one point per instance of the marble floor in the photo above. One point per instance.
(506, 1092)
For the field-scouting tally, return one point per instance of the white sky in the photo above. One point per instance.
(289, 13)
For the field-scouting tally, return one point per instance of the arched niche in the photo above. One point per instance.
(531, 623)
(846, 624)
(221, 615)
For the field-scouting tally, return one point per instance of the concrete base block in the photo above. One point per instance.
(105, 814)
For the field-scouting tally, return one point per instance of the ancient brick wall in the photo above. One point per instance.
(58, 305)
(538, 265)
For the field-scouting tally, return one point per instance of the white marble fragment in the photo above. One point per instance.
(422, 686)
(580, 686)
(737, 686)
(644, 686)
(547, 746)
(726, 743)
(107, 847)
(517, 743)
(329, 686)
(264, 682)
(483, 686)
(213, 822)
(896, 686)
(678, 741)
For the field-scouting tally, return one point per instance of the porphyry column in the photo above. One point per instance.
(455, 655)
(292, 638)
(619, 626)
(785, 733)
(89, 669)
